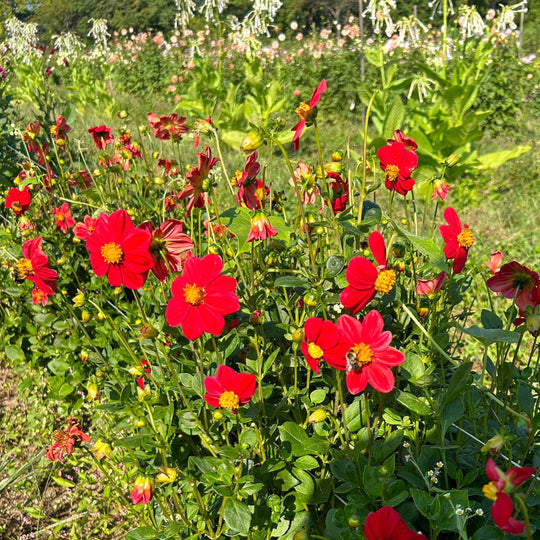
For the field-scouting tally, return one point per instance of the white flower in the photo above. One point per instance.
(379, 14)
(294, 25)
(507, 15)
(410, 28)
(422, 84)
(479, 512)
(471, 23)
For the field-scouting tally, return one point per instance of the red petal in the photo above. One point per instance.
(451, 217)
(376, 244)
(380, 377)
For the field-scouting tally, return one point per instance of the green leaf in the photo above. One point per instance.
(458, 382)
(306, 488)
(371, 214)
(525, 400)
(318, 396)
(450, 414)
(394, 118)
(414, 404)
(334, 265)
(291, 281)
(496, 159)
(422, 501)
(63, 481)
(237, 516)
(306, 463)
(300, 443)
(490, 335)
(14, 353)
(490, 320)
(142, 533)
(35, 512)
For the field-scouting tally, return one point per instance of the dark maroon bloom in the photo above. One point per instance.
(410, 144)
(514, 280)
(167, 127)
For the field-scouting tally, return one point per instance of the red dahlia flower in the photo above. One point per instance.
(430, 287)
(410, 144)
(119, 250)
(514, 280)
(19, 200)
(34, 266)
(369, 355)
(143, 490)
(261, 228)
(458, 239)
(307, 113)
(387, 524)
(398, 165)
(64, 440)
(202, 297)
(170, 243)
(64, 219)
(60, 131)
(365, 279)
(251, 191)
(85, 229)
(102, 136)
(229, 389)
(322, 340)
(195, 178)
(500, 490)
(167, 127)
(440, 189)
(39, 297)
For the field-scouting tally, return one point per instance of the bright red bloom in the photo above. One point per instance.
(458, 239)
(34, 266)
(398, 165)
(85, 229)
(340, 192)
(60, 130)
(430, 287)
(143, 490)
(202, 297)
(195, 178)
(64, 440)
(500, 490)
(19, 200)
(307, 113)
(322, 340)
(63, 216)
(410, 144)
(167, 127)
(369, 355)
(387, 524)
(261, 228)
(495, 261)
(170, 243)
(365, 279)
(39, 297)
(119, 250)
(516, 280)
(229, 389)
(102, 136)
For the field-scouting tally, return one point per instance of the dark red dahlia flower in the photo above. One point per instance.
(102, 136)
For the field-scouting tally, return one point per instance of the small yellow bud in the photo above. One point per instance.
(102, 450)
(317, 416)
(166, 475)
(85, 316)
(251, 142)
(93, 391)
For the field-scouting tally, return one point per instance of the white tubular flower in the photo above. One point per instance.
(185, 9)
(423, 85)
(99, 32)
(379, 14)
(209, 8)
(410, 29)
(22, 40)
(508, 14)
(67, 46)
(436, 5)
(470, 22)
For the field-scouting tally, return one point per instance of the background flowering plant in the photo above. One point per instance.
(236, 355)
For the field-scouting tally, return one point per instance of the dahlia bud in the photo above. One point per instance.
(78, 299)
(147, 331)
(494, 445)
(422, 308)
(86, 316)
(532, 324)
(84, 356)
(155, 155)
(123, 115)
(338, 155)
(218, 415)
(398, 250)
(166, 475)
(101, 450)
(61, 142)
(93, 391)
(251, 142)
(318, 416)
(256, 317)
(451, 160)
(298, 335)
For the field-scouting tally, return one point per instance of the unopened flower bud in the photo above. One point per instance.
(422, 308)
(251, 142)
(102, 450)
(143, 393)
(317, 416)
(78, 299)
(155, 155)
(398, 250)
(166, 475)
(218, 415)
(298, 335)
(123, 114)
(93, 391)
(84, 356)
(338, 155)
(85, 316)
(61, 142)
(451, 160)
(494, 445)
(147, 331)
(533, 324)
(256, 317)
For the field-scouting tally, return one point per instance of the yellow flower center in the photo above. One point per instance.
(385, 281)
(315, 351)
(24, 268)
(392, 172)
(17, 206)
(60, 216)
(38, 295)
(465, 238)
(229, 400)
(359, 356)
(237, 178)
(302, 110)
(193, 294)
(112, 253)
(490, 491)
